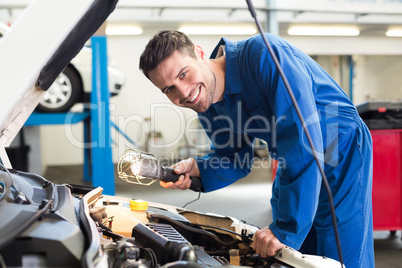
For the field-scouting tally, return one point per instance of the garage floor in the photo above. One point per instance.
(247, 199)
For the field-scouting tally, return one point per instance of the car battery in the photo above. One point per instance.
(384, 119)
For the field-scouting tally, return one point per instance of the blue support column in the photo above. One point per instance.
(102, 169)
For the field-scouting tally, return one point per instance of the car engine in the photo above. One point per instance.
(48, 225)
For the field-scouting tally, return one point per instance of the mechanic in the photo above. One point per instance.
(239, 96)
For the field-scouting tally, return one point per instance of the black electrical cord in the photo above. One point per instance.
(173, 222)
(109, 233)
(198, 198)
(216, 228)
(297, 108)
(112, 235)
(152, 256)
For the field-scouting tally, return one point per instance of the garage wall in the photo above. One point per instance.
(377, 77)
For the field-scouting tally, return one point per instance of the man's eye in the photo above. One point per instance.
(183, 74)
(168, 89)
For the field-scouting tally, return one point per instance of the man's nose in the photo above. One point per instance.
(182, 91)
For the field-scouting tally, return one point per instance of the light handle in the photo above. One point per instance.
(168, 175)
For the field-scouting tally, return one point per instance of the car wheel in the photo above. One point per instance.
(65, 91)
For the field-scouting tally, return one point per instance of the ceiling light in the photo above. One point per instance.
(123, 30)
(216, 30)
(323, 31)
(394, 33)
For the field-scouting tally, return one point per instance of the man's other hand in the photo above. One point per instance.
(265, 243)
(188, 167)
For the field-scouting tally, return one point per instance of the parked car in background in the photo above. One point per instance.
(74, 84)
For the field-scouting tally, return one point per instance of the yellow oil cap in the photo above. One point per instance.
(138, 205)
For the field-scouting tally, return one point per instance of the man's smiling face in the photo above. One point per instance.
(186, 81)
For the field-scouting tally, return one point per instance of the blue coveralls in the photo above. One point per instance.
(257, 105)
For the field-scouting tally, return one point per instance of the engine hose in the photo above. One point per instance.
(194, 230)
(152, 257)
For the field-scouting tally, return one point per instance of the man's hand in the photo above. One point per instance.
(188, 167)
(265, 243)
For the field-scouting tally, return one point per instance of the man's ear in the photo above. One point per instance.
(199, 52)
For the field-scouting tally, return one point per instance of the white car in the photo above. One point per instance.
(74, 84)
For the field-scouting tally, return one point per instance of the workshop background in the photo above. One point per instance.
(364, 56)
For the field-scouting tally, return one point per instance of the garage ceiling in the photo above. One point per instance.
(151, 15)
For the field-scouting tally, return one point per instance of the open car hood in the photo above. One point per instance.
(43, 41)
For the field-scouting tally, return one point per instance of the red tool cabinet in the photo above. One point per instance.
(387, 179)
(384, 119)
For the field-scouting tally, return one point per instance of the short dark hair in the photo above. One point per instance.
(161, 46)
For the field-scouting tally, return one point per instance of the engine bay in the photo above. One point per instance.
(65, 225)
